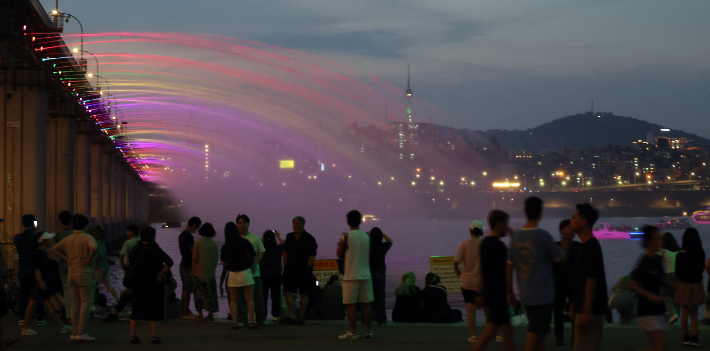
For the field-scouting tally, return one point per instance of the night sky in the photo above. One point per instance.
(486, 64)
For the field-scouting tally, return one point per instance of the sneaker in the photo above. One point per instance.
(28, 332)
(84, 337)
(300, 321)
(264, 323)
(185, 317)
(370, 334)
(673, 319)
(111, 318)
(348, 336)
(66, 329)
(694, 342)
(472, 338)
(275, 319)
(240, 324)
(686, 340)
(22, 322)
(41, 323)
(499, 338)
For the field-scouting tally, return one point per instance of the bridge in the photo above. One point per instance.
(62, 146)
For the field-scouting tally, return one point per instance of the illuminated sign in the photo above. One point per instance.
(665, 130)
(506, 185)
(286, 164)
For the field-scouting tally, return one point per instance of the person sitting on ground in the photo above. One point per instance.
(149, 264)
(433, 298)
(205, 256)
(102, 270)
(332, 307)
(126, 294)
(407, 307)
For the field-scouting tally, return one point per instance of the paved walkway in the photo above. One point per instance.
(317, 335)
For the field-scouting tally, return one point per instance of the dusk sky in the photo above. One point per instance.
(488, 64)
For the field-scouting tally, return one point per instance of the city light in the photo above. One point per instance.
(286, 164)
(414, 183)
(485, 174)
(505, 185)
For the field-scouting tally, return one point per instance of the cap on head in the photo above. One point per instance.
(45, 236)
(476, 224)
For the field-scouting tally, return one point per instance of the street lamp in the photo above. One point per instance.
(95, 59)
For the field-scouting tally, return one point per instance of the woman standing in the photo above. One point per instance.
(669, 250)
(689, 294)
(271, 267)
(237, 257)
(647, 283)
(378, 270)
(102, 270)
(148, 263)
(205, 256)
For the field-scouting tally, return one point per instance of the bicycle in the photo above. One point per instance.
(12, 289)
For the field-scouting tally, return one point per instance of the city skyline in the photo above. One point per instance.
(485, 65)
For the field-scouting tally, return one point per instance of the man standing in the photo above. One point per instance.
(563, 279)
(65, 220)
(300, 251)
(468, 254)
(186, 241)
(532, 254)
(354, 248)
(25, 244)
(258, 292)
(589, 294)
(127, 295)
(79, 251)
(494, 282)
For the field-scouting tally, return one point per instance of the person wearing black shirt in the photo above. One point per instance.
(378, 271)
(186, 241)
(647, 283)
(25, 244)
(495, 283)
(589, 294)
(300, 252)
(237, 256)
(689, 265)
(434, 299)
(271, 269)
(564, 274)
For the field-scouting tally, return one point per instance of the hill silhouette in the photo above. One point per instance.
(586, 130)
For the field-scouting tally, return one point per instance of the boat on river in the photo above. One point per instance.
(701, 217)
(675, 223)
(610, 231)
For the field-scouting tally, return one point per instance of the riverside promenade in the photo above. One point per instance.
(316, 335)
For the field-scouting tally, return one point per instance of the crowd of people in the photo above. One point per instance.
(564, 279)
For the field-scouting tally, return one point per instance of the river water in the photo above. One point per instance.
(416, 240)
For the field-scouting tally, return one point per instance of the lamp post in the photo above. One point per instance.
(95, 59)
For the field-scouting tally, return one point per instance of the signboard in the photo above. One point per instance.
(324, 269)
(444, 267)
(287, 164)
(13, 124)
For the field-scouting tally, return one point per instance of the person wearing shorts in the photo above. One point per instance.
(354, 248)
(237, 255)
(300, 249)
(186, 242)
(467, 253)
(532, 255)
(493, 283)
(647, 284)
